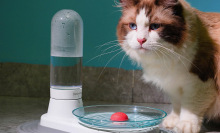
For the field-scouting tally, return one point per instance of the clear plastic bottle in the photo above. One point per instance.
(66, 50)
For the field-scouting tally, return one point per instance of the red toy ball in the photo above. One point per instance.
(119, 116)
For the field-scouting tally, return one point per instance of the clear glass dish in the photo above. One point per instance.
(140, 117)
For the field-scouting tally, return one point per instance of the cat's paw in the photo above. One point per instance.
(187, 127)
(170, 121)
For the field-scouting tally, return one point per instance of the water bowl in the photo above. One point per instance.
(139, 117)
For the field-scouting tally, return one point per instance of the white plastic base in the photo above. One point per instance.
(60, 117)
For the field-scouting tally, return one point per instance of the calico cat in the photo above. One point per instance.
(178, 48)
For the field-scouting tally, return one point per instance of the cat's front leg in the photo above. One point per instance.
(190, 122)
(173, 118)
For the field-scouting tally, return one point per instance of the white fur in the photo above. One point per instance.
(142, 21)
(168, 67)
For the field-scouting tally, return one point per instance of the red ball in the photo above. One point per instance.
(119, 116)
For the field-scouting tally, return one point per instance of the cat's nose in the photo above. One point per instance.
(141, 41)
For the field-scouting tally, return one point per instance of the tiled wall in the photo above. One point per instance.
(99, 84)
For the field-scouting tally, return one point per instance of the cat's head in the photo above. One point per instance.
(146, 25)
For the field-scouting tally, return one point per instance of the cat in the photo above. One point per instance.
(178, 48)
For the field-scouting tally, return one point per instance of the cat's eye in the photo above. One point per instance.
(132, 26)
(154, 26)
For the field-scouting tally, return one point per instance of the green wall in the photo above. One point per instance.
(25, 29)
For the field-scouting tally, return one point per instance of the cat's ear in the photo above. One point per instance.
(128, 3)
(166, 2)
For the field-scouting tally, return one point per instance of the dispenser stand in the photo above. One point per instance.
(59, 115)
(61, 105)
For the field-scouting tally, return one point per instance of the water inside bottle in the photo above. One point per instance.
(66, 72)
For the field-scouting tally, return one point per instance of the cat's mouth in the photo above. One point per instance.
(142, 49)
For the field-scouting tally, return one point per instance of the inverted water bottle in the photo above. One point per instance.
(66, 55)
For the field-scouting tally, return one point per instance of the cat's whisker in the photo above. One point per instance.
(109, 62)
(168, 53)
(178, 59)
(107, 43)
(160, 56)
(113, 46)
(120, 65)
(103, 54)
(175, 53)
(117, 4)
(117, 11)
